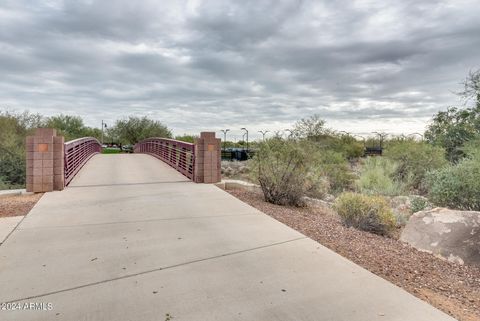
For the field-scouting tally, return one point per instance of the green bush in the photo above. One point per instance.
(348, 146)
(3, 185)
(344, 145)
(187, 138)
(368, 213)
(418, 204)
(287, 171)
(377, 178)
(12, 169)
(414, 159)
(336, 170)
(313, 129)
(457, 186)
(14, 127)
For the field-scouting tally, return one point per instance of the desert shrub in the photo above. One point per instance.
(3, 185)
(345, 145)
(336, 170)
(377, 177)
(400, 219)
(314, 129)
(348, 146)
(368, 213)
(472, 148)
(457, 186)
(287, 170)
(418, 204)
(414, 159)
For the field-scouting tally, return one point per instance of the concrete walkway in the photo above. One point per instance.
(132, 239)
(7, 225)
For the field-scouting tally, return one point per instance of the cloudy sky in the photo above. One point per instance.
(206, 65)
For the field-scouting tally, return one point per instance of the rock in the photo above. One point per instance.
(329, 198)
(317, 202)
(228, 171)
(451, 234)
(231, 184)
(404, 206)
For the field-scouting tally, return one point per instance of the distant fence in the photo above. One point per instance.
(237, 154)
(77, 153)
(373, 151)
(180, 155)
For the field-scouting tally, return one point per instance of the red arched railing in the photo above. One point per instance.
(180, 155)
(77, 153)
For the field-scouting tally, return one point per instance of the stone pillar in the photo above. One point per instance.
(45, 161)
(207, 158)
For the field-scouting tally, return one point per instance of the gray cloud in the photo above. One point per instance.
(206, 65)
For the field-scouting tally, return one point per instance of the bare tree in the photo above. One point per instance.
(472, 87)
(310, 128)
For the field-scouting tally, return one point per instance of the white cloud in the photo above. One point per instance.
(198, 65)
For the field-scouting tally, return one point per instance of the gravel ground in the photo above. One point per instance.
(452, 288)
(17, 205)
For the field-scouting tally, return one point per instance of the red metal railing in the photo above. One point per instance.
(77, 153)
(180, 155)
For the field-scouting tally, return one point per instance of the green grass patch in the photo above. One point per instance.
(111, 151)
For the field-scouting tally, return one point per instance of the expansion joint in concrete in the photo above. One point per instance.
(156, 270)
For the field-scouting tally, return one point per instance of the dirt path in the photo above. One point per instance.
(17, 205)
(452, 288)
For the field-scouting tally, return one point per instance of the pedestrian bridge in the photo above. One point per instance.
(132, 238)
(52, 163)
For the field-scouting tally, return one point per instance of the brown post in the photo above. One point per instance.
(207, 158)
(45, 157)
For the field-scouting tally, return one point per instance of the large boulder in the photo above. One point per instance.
(451, 234)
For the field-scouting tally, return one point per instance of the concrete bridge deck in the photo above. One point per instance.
(132, 239)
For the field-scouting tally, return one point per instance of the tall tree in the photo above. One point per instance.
(71, 127)
(472, 87)
(310, 128)
(451, 129)
(134, 129)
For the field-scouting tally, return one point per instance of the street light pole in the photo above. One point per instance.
(263, 132)
(246, 132)
(104, 125)
(224, 131)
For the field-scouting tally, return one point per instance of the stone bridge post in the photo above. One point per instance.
(207, 158)
(45, 161)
